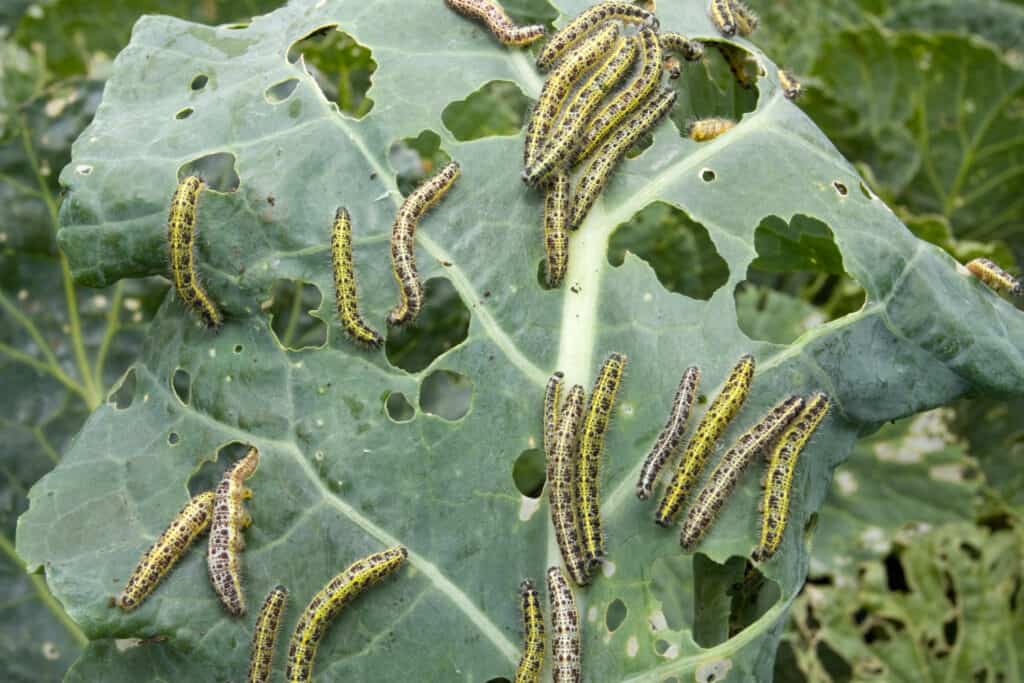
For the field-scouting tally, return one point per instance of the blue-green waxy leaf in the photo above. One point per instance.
(339, 476)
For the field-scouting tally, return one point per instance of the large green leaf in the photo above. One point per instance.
(339, 477)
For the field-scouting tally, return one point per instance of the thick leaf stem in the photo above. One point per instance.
(44, 594)
(92, 392)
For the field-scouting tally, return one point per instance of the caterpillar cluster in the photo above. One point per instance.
(574, 456)
(597, 118)
(785, 429)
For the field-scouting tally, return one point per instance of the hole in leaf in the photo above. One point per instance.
(709, 87)
(442, 324)
(173, 439)
(895, 577)
(615, 615)
(833, 663)
(289, 306)
(787, 667)
(751, 597)
(238, 348)
(212, 471)
(279, 92)
(446, 394)
(416, 159)
(840, 188)
(199, 82)
(181, 383)
(499, 680)
(342, 68)
(528, 472)
(184, 113)
(123, 393)
(498, 108)
(728, 597)
(398, 408)
(661, 647)
(217, 171)
(666, 237)
(801, 268)
(707, 175)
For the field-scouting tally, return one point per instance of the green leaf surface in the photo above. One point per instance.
(339, 477)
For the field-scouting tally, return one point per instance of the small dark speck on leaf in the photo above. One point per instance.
(373, 176)
(271, 200)
(487, 293)
(446, 264)
(575, 289)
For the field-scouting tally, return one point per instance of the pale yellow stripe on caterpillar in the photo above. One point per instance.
(791, 87)
(224, 549)
(187, 525)
(556, 228)
(995, 277)
(627, 100)
(718, 416)
(671, 434)
(264, 637)
(722, 17)
(565, 136)
(561, 485)
(597, 173)
(498, 23)
(552, 406)
(403, 242)
(746, 19)
(346, 294)
(329, 601)
(565, 629)
(727, 472)
(558, 86)
(592, 437)
(737, 58)
(703, 130)
(778, 479)
(532, 661)
(586, 22)
(181, 240)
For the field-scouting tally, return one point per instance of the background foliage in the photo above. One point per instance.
(922, 523)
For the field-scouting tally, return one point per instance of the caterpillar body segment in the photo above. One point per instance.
(671, 434)
(181, 240)
(778, 479)
(498, 22)
(191, 522)
(403, 242)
